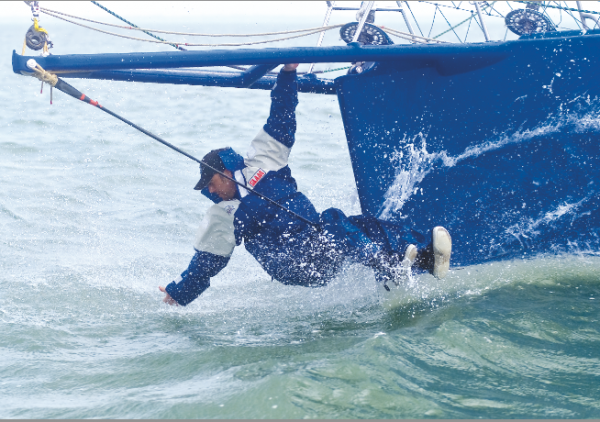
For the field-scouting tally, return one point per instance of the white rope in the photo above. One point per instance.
(412, 37)
(409, 37)
(305, 32)
(189, 44)
(42, 75)
(191, 34)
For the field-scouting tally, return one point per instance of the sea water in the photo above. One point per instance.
(94, 216)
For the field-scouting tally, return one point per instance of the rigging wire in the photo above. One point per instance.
(433, 21)
(305, 32)
(415, 19)
(458, 8)
(456, 26)
(469, 27)
(194, 44)
(135, 27)
(561, 7)
(126, 21)
(448, 22)
(466, 20)
(561, 16)
(411, 37)
(489, 6)
(335, 70)
(577, 21)
(492, 7)
(60, 15)
(191, 34)
(478, 24)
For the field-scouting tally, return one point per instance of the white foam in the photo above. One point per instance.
(419, 162)
(568, 271)
(528, 227)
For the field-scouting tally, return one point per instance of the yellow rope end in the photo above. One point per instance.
(38, 28)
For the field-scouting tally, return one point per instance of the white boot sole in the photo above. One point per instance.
(442, 248)
(410, 255)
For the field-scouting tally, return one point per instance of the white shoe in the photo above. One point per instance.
(395, 271)
(442, 248)
(410, 255)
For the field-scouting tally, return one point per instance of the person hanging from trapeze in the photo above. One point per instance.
(285, 243)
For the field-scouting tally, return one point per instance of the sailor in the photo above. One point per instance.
(290, 250)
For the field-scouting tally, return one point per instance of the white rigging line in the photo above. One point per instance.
(314, 31)
(304, 32)
(412, 37)
(191, 34)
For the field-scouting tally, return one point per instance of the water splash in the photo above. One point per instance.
(527, 228)
(425, 292)
(414, 162)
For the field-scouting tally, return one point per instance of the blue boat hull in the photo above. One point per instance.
(503, 153)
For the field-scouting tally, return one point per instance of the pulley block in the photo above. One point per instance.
(528, 21)
(371, 35)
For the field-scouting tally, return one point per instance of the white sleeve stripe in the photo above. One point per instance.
(216, 233)
(267, 153)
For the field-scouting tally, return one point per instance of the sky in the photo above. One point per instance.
(16, 9)
(192, 15)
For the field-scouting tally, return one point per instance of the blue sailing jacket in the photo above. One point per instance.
(289, 250)
(274, 237)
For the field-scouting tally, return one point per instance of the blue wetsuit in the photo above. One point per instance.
(290, 250)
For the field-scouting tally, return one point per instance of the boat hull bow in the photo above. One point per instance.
(505, 154)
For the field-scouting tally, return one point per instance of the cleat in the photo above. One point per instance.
(442, 248)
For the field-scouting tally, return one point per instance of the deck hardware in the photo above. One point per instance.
(406, 21)
(583, 16)
(363, 18)
(330, 5)
(483, 27)
(528, 21)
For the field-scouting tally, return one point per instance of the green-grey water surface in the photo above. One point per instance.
(94, 217)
